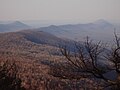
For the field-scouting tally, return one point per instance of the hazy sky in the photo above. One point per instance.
(85, 10)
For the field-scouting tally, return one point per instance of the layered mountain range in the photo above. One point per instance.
(98, 30)
(37, 52)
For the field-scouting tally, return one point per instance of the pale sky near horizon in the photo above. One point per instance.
(86, 10)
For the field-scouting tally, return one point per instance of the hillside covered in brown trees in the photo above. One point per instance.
(35, 53)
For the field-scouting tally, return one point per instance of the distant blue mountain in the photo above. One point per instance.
(15, 26)
(98, 30)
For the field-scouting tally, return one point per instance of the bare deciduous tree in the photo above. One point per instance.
(86, 59)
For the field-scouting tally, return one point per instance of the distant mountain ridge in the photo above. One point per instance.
(14, 26)
(99, 30)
